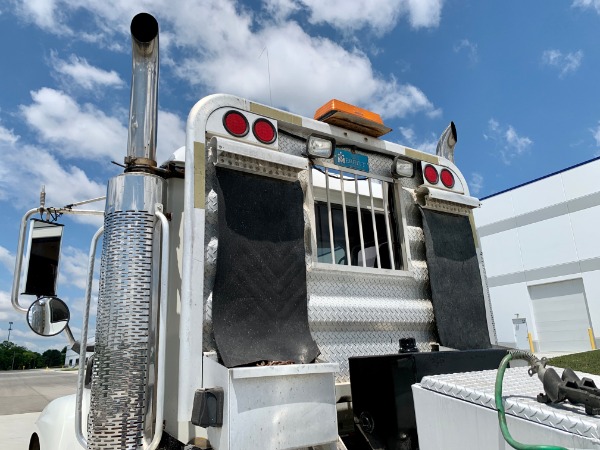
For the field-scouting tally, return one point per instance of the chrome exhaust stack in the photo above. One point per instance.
(447, 142)
(123, 380)
(143, 107)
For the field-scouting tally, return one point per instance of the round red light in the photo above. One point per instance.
(431, 174)
(447, 178)
(235, 123)
(264, 131)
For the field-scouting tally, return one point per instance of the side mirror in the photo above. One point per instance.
(43, 255)
(48, 316)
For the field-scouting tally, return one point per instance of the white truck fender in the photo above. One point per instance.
(56, 424)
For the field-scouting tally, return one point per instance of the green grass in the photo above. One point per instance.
(588, 362)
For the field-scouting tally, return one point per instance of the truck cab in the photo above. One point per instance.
(240, 277)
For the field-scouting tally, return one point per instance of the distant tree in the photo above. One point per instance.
(13, 356)
(53, 358)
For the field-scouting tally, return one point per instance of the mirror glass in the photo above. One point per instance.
(42, 258)
(48, 316)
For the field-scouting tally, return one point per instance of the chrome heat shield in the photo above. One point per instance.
(124, 359)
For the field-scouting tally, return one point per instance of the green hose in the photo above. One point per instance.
(500, 407)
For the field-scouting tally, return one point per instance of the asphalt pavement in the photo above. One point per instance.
(23, 395)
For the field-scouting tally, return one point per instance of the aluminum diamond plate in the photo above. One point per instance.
(353, 314)
(519, 394)
(292, 145)
(416, 238)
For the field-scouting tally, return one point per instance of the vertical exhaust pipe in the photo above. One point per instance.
(122, 390)
(141, 144)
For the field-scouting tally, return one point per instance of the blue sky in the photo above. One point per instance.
(519, 79)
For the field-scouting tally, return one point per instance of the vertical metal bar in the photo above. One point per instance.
(360, 227)
(329, 216)
(374, 224)
(14, 297)
(387, 223)
(83, 343)
(162, 330)
(345, 219)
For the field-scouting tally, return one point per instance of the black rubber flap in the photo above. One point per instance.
(259, 303)
(456, 289)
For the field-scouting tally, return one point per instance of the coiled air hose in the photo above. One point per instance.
(535, 364)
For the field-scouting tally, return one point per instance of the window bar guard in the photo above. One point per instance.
(360, 226)
(387, 224)
(345, 218)
(374, 224)
(329, 217)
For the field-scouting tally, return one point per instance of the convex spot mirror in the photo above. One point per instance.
(43, 255)
(48, 316)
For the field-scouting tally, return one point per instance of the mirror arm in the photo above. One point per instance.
(72, 342)
(19, 261)
(83, 345)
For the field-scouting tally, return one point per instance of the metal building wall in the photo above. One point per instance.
(542, 232)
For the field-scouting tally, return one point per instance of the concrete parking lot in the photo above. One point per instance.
(23, 395)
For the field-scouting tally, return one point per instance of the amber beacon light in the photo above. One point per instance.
(350, 117)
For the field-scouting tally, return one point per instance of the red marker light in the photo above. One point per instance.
(264, 131)
(235, 123)
(431, 174)
(447, 178)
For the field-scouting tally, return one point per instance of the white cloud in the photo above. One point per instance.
(587, 4)
(44, 13)
(7, 135)
(427, 145)
(424, 13)
(7, 259)
(470, 48)
(281, 9)
(171, 135)
(305, 70)
(304, 73)
(378, 15)
(83, 132)
(565, 62)
(64, 184)
(73, 267)
(476, 183)
(508, 142)
(407, 133)
(518, 143)
(77, 70)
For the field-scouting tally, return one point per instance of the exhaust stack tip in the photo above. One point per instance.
(144, 28)
(447, 142)
(141, 144)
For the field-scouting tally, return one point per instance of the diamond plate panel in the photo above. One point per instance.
(353, 314)
(519, 393)
(416, 238)
(118, 397)
(291, 145)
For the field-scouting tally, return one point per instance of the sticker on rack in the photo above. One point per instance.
(345, 158)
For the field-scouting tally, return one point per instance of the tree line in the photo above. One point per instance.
(17, 357)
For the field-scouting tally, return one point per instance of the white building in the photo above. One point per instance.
(72, 358)
(541, 246)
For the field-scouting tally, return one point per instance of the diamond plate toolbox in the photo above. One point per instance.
(519, 397)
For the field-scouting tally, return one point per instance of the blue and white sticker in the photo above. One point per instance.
(345, 158)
